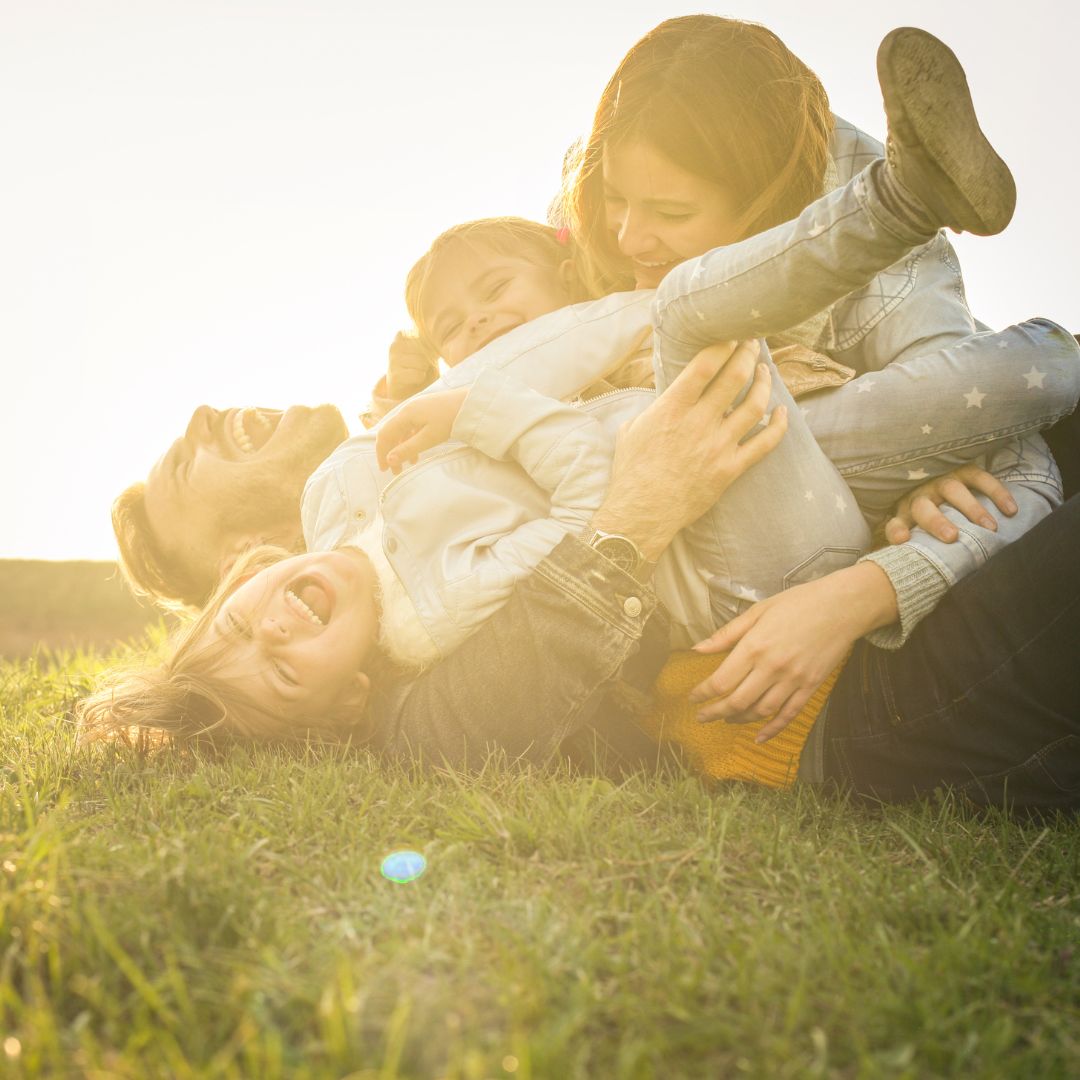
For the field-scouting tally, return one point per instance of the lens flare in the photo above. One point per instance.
(403, 866)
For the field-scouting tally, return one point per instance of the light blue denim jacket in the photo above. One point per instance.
(858, 334)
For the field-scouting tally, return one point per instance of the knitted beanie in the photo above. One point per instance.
(727, 751)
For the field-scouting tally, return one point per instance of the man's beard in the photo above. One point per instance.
(270, 508)
(267, 503)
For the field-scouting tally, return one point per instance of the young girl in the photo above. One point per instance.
(285, 649)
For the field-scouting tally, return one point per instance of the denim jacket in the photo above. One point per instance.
(858, 335)
(561, 669)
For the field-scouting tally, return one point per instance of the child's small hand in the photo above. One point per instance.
(418, 425)
(411, 367)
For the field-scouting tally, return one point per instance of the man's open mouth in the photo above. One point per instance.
(312, 599)
(250, 429)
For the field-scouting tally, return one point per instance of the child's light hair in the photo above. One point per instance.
(724, 99)
(518, 237)
(182, 700)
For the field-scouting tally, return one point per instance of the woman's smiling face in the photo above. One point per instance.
(659, 214)
(298, 633)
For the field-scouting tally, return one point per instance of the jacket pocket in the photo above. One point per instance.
(805, 371)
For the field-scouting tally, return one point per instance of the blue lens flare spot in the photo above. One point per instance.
(402, 866)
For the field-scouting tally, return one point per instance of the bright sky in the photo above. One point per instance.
(218, 201)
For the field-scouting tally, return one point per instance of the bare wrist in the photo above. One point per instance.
(871, 597)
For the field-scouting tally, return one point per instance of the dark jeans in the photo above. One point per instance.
(1064, 442)
(984, 697)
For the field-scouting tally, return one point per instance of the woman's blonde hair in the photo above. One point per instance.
(724, 99)
(182, 699)
(524, 239)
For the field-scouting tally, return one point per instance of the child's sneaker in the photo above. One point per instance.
(935, 145)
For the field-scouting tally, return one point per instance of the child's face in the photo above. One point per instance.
(475, 295)
(298, 632)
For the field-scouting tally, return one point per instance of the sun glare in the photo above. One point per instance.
(205, 206)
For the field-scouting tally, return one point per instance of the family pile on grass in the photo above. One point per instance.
(603, 528)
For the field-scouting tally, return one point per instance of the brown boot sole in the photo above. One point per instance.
(929, 105)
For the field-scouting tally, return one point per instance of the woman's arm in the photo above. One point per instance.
(959, 489)
(784, 647)
(926, 566)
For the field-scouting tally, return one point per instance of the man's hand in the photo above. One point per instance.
(784, 648)
(411, 367)
(674, 460)
(958, 488)
(416, 426)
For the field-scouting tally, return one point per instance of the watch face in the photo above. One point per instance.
(619, 551)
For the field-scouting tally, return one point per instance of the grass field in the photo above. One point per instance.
(179, 917)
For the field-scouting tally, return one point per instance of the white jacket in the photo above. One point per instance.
(477, 514)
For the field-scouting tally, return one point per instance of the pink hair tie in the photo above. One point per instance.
(563, 235)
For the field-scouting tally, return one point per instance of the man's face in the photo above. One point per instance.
(234, 478)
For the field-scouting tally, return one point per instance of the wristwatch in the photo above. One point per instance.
(622, 551)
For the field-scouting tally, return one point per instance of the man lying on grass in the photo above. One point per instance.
(578, 658)
(979, 696)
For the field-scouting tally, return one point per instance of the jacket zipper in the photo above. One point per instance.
(614, 393)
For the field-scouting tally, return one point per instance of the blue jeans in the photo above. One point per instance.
(984, 698)
(1064, 442)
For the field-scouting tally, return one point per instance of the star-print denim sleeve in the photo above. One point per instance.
(924, 569)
